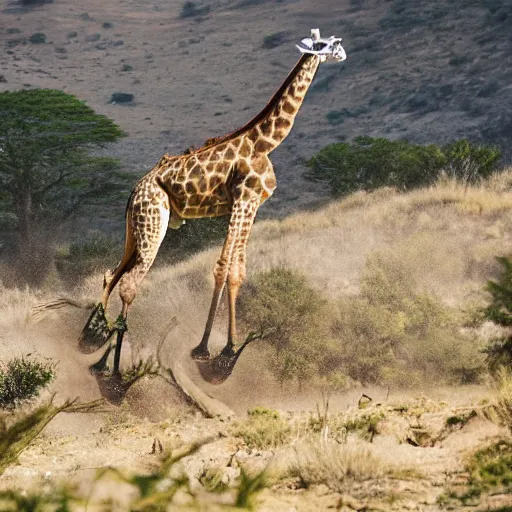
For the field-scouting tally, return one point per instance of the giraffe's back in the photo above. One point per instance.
(196, 184)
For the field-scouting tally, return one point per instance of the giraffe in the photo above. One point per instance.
(228, 175)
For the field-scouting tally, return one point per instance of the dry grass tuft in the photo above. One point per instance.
(15, 306)
(264, 429)
(336, 465)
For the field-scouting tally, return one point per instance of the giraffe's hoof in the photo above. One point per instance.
(218, 369)
(200, 354)
(96, 331)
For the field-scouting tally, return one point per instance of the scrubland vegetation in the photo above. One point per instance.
(399, 290)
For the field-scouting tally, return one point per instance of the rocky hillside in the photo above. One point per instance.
(431, 72)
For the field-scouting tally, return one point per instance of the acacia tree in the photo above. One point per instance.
(46, 169)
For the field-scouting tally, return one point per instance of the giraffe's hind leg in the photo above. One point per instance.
(148, 238)
(97, 330)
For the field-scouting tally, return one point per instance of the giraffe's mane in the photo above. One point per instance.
(214, 141)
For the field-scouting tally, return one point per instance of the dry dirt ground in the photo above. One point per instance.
(412, 437)
(431, 72)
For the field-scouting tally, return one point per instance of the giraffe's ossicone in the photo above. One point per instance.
(228, 175)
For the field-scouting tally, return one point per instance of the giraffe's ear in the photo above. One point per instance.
(306, 45)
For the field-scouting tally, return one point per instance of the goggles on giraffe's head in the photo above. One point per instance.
(327, 48)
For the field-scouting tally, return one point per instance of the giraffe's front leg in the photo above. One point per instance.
(218, 369)
(237, 275)
(201, 352)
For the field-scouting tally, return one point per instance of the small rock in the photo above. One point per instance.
(121, 97)
(92, 38)
(3, 80)
(38, 38)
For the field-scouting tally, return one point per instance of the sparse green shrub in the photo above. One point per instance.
(489, 474)
(250, 3)
(393, 334)
(369, 163)
(499, 311)
(98, 245)
(264, 429)
(273, 40)
(491, 469)
(460, 419)
(21, 379)
(92, 38)
(126, 67)
(121, 97)
(30, 3)
(365, 425)
(11, 43)
(192, 9)
(503, 401)
(38, 38)
(297, 321)
(468, 162)
(212, 479)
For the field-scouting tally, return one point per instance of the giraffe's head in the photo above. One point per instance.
(326, 48)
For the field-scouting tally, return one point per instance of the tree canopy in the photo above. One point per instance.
(368, 163)
(46, 167)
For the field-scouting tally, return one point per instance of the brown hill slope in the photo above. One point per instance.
(431, 71)
(445, 238)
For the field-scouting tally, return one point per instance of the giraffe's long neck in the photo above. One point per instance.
(269, 128)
